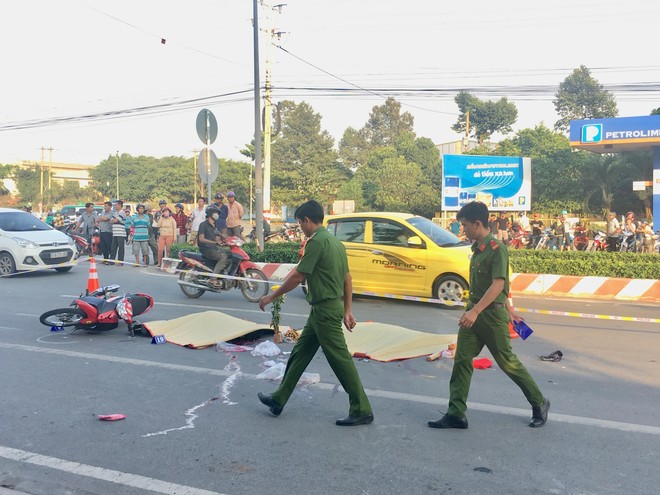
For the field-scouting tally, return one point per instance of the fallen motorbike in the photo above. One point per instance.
(101, 310)
(196, 274)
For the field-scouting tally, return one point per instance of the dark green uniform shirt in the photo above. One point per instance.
(325, 266)
(490, 260)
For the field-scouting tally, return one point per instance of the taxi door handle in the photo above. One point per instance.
(377, 252)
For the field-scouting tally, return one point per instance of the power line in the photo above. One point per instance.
(357, 86)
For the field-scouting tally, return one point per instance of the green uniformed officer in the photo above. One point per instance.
(329, 291)
(486, 322)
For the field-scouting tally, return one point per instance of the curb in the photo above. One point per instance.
(603, 288)
(529, 284)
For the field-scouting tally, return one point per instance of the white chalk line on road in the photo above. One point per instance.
(117, 477)
(386, 394)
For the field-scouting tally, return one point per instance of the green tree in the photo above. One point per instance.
(655, 111)
(580, 96)
(145, 178)
(486, 117)
(304, 162)
(386, 124)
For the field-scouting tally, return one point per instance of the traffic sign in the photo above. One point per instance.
(207, 126)
(202, 166)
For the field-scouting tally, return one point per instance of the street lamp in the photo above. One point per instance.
(117, 160)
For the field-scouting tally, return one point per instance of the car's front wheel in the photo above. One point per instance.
(63, 269)
(450, 289)
(7, 264)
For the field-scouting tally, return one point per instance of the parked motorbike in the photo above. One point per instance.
(581, 241)
(84, 245)
(547, 239)
(520, 239)
(627, 242)
(101, 310)
(600, 242)
(268, 234)
(196, 275)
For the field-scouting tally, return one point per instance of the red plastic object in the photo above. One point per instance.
(482, 364)
(111, 417)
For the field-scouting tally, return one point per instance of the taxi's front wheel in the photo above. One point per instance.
(450, 289)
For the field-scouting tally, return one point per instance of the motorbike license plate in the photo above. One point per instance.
(58, 254)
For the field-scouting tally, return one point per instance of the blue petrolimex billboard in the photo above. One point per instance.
(503, 183)
(616, 134)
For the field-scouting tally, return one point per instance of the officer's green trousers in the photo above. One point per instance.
(323, 328)
(492, 330)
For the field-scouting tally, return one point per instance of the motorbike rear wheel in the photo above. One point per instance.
(62, 317)
(190, 278)
(253, 291)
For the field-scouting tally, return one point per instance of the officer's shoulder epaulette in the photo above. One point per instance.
(494, 245)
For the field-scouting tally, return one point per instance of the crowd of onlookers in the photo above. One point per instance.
(150, 231)
(628, 234)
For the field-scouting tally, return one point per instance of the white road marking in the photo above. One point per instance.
(386, 394)
(9, 328)
(110, 475)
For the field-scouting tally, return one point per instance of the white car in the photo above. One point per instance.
(27, 243)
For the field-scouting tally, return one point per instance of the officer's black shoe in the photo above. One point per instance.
(355, 420)
(274, 407)
(540, 414)
(449, 421)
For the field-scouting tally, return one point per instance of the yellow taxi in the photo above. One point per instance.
(402, 254)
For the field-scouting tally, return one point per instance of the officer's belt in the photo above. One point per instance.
(493, 305)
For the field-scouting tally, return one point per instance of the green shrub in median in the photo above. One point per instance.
(579, 263)
(278, 252)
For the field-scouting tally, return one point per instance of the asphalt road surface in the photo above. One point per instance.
(194, 424)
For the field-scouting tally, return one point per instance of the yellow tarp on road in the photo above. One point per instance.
(373, 340)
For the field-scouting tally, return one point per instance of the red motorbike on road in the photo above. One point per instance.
(84, 244)
(196, 273)
(100, 310)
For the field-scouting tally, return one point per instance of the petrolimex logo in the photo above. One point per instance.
(592, 133)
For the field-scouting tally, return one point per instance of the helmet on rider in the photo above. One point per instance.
(211, 210)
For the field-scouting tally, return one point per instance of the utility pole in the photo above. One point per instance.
(195, 151)
(258, 181)
(466, 139)
(268, 112)
(41, 183)
(50, 166)
(117, 160)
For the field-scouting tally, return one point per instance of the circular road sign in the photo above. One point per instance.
(207, 126)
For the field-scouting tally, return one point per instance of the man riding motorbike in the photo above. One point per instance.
(209, 241)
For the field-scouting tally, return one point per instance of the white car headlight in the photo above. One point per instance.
(24, 243)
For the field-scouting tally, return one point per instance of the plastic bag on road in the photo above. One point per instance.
(275, 372)
(309, 378)
(226, 346)
(267, 349)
